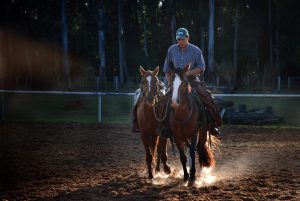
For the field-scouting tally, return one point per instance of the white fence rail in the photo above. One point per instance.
(100, 94)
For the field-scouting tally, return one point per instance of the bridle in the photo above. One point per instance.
(186, 94)
(153, 94)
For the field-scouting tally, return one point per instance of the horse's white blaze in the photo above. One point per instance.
(149, 82)
(176, 85)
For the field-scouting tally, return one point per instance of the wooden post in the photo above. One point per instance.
(116, 83)
(99, 109)
(2, 107)
(279, 83)
(248, 81)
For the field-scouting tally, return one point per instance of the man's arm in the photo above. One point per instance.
(194, 72)
(168, 77)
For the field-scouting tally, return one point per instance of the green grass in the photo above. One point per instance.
(67, 108)
(117, 109)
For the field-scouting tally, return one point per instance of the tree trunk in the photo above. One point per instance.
(202, 27)
(122, 62)
(2, 60)
(235, 43)
(173, 29)
(270, 35)
(202, 38)
(145, 36)
(101, 42)
(221, 31)
(172, 15)
(277, 40)
(64, 32)
(28, 62)
(120, 37)
(257, 54)
(211, 42)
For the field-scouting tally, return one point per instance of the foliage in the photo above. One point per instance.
(38, 24)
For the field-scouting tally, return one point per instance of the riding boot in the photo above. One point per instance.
(135, 125)
(214, 130)
(212, 125)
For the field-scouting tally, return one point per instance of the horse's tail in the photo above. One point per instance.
(206, 157)
(206, 151)
(206, 147)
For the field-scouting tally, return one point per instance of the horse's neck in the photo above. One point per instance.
(144, 104)
(188, 100)
(185, 107)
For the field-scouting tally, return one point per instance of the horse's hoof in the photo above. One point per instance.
(157, 170)
(186, 177)
(167, 169)
(150, 176)
(191, 182)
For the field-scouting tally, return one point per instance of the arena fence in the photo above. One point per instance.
(100, 94)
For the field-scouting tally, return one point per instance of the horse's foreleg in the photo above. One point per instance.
(157, 169)
(146, 142)
(183, 160)
(164, 156)
(193, 156)
(149, 161)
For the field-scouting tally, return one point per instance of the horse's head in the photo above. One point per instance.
(179, 85)
(149, 85)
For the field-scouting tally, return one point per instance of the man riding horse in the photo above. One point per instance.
(180, 55)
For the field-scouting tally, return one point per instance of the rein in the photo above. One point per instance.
(166, 111)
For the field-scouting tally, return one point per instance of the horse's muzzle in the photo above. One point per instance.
(150, 100)
(175, 104)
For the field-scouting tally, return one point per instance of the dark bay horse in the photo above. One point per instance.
(148, 123)
(185, 125)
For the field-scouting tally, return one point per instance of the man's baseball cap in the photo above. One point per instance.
(182, 33)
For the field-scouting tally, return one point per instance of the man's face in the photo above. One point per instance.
(182, 42)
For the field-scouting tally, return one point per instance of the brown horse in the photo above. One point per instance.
(185, 125)
(147, 120)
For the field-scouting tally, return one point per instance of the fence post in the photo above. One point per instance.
(99, 109)
(248, 81)
(279, 83)
(289, 82)
(2, 107)
(98, 83)
(116, 83)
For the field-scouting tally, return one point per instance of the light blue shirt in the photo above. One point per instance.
(180, 58)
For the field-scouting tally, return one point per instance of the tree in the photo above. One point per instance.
(270, 33)
(211, 43)
(64, 32)
(121, 39)
(235, 40)
(101, 41)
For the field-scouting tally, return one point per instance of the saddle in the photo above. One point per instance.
(208, 101)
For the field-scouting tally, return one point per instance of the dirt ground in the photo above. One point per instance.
(47, 161)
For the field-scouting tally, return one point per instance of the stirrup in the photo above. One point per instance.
(215, 131)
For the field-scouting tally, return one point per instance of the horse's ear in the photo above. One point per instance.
(156, 70)
(187, 67)
(142, 71)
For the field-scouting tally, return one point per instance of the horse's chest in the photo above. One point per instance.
(183, 122)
